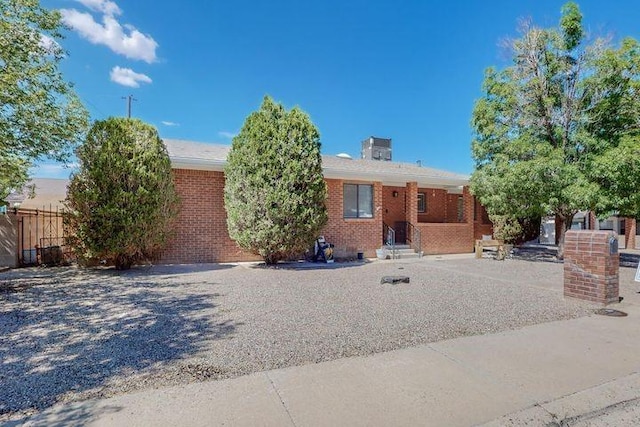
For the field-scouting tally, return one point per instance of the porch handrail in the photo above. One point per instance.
(414, 238)
(389, 238)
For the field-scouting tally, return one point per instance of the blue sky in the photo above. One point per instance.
(406, 70)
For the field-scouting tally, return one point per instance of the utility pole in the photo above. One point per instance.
(129, 99)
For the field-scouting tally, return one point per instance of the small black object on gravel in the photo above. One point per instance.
(611, 312)
(394, 279)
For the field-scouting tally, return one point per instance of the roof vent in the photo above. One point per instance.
(343, 156)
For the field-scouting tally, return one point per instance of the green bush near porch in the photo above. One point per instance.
(274, 190)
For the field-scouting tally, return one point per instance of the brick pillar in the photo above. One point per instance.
(591, 270)
(468, 203)
(630, 233)
(377, 202)
(468, 207)
(411, 203)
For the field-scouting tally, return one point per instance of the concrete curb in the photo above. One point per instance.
(614, 403)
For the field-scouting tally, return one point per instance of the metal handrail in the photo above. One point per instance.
(414, 237)
(389, 238)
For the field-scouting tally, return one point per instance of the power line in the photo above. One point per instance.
(129, 99)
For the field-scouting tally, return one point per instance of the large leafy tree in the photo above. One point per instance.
(274, 189)
(551, 123)
(122, 200)
(40, 115)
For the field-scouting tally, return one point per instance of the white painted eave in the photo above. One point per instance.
(197, 164)
(390, 179)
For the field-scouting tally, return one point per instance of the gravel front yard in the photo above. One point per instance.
(73, 334)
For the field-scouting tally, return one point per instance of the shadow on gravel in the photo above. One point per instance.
(72, 331)
(69, 415)
(170, 269)
(307, 265)
(536, 254)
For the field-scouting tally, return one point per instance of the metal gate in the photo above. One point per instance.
(41, 237)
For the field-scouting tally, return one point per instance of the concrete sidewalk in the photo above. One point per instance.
(536, 375)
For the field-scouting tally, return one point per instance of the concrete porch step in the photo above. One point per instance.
(403, 246)
(402, 252)
(407, 255)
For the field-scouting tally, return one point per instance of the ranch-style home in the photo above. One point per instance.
(369, 202)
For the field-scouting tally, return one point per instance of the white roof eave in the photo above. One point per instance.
(395, 179)
(331, 173)
(197, 164)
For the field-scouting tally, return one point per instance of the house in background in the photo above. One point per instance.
(429, 209)
(40, 193)
(625, 228)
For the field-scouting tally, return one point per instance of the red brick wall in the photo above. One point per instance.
(201, 227)
(453, 237)
(452, 207)
(590, 272)
(411, 202)
(443, 238)
(351, 234)
(393, 207)
(436, 205)
(467, 206)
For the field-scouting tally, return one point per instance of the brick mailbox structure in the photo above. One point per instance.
(591, 264)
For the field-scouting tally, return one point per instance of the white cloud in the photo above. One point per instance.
(105, 6)
(229, 135)
(128, 77)
(49, 45)
(166, 123)
(127, 40)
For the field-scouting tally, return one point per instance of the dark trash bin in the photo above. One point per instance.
(51, 255)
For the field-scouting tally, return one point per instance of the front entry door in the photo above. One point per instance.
(401, 232)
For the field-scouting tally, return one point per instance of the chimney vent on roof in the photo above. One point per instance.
(419, 163)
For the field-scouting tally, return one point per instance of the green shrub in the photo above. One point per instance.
(274, 190)
(122, 200)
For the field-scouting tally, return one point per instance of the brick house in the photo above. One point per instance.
(365, 198)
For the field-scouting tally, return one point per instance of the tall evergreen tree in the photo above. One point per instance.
(274, 189)
(122, 200)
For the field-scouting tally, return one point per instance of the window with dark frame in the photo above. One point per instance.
(358, 201)
(460, 209)
(422, 202)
